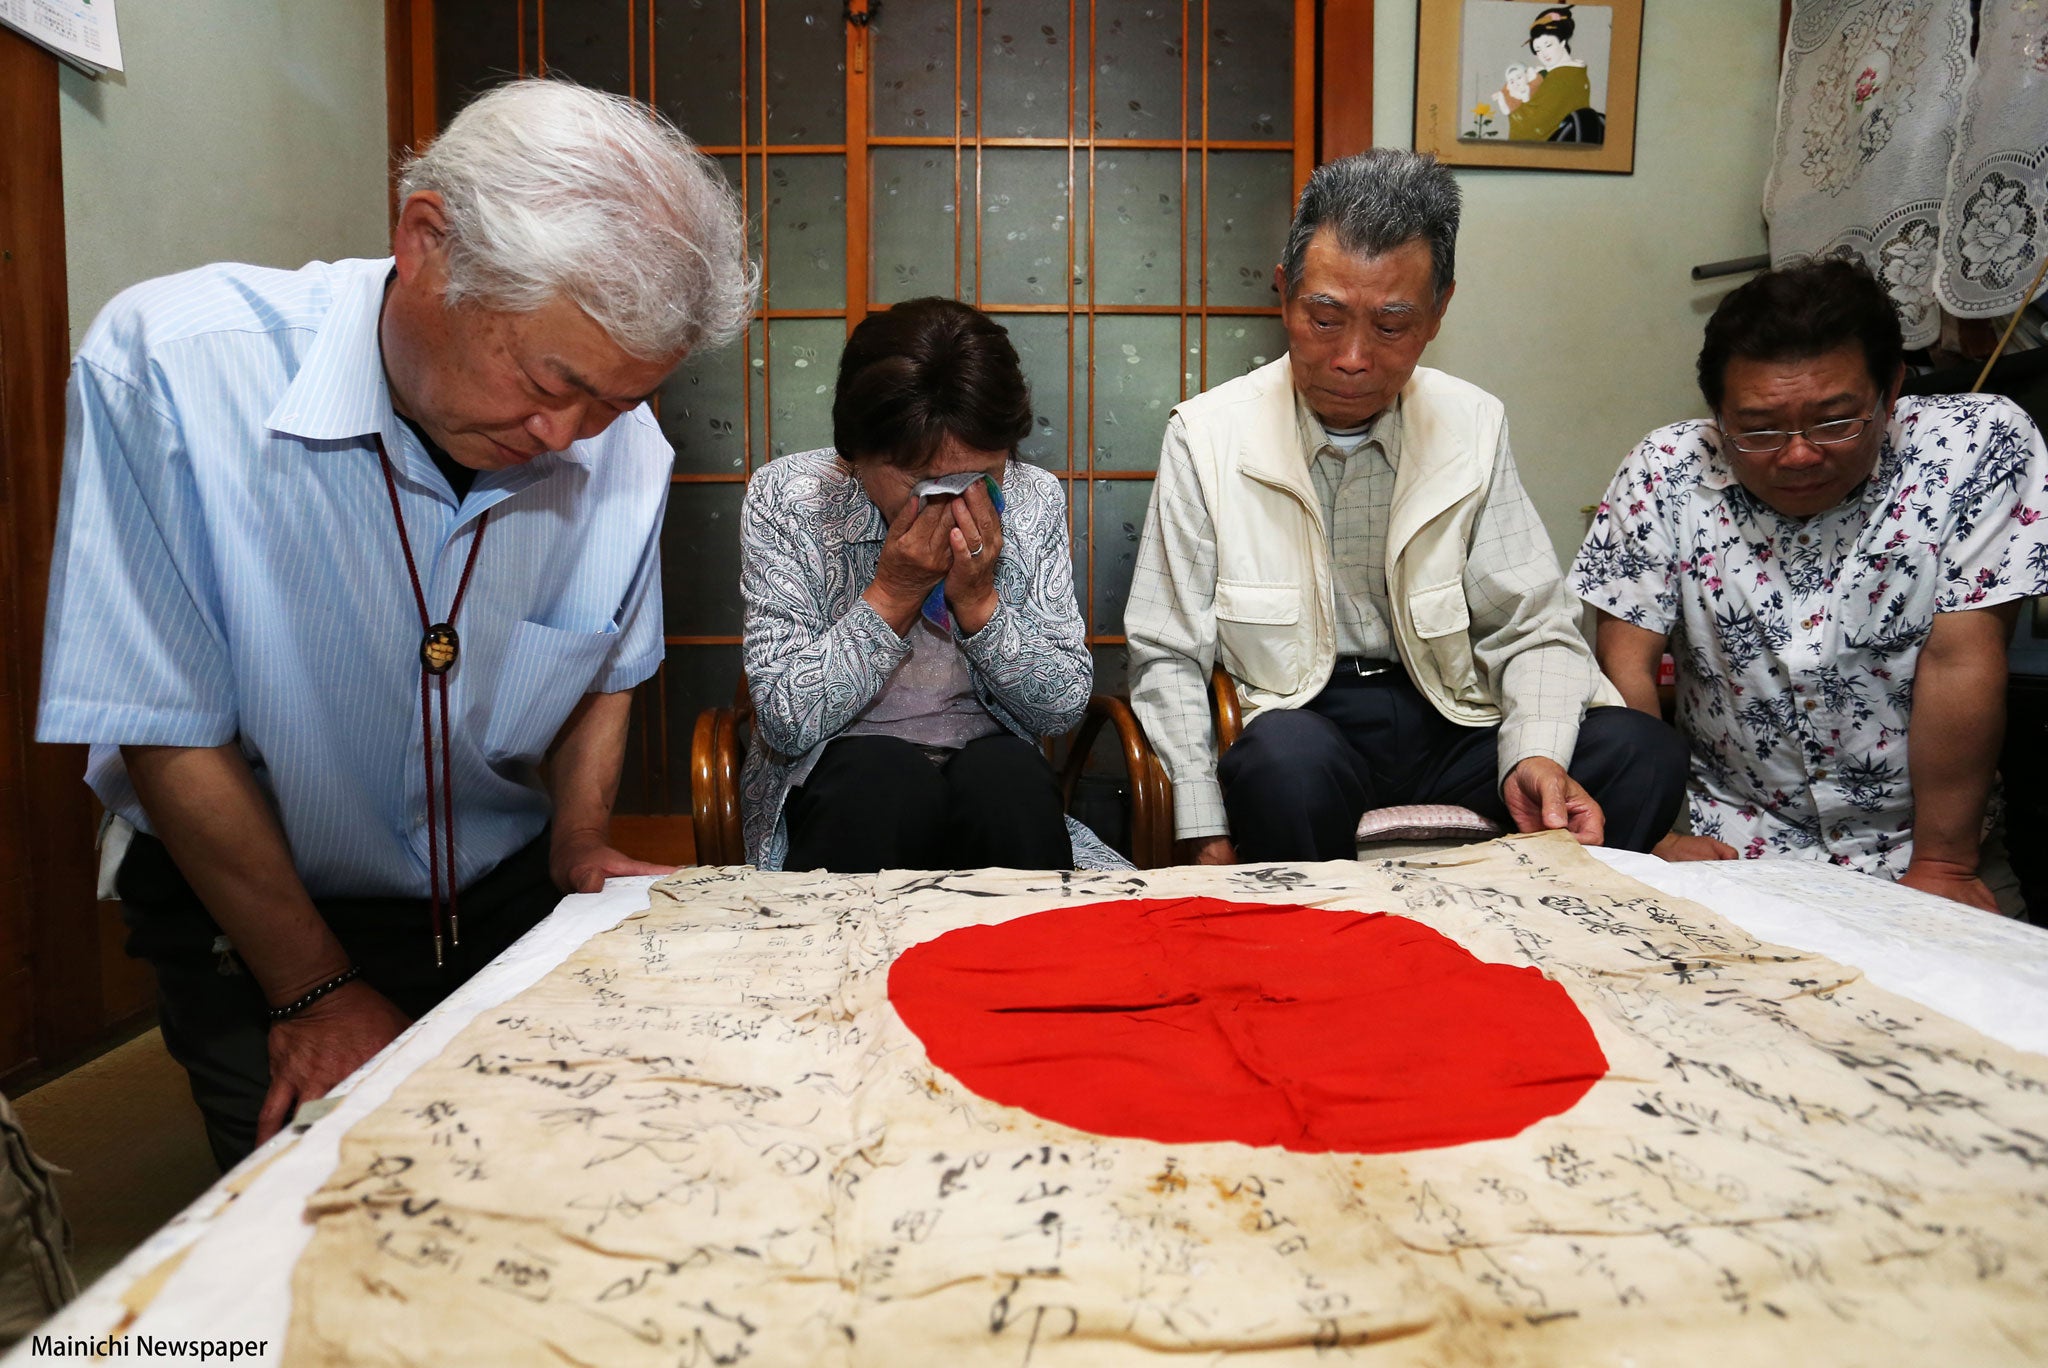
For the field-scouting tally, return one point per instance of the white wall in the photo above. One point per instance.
(1575, 304)
(243, 130)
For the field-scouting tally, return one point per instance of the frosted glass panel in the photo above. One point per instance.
(586, 42)
(476, 46)
(803, 365)
(1238, 345)
(744, 176)
(1137, 227)
(1024, 226)
(703, 409)
(1083, 66)
(1250, 202)
(1137, 70)
(636, 795)
(806, 232)
(1119, 520)
(698, 69)
(914, 223)
(1077, 523)
(693, 678)
(700, 559)
(1041, 343)
(1137, 383)
(912, 74)
(806, 44)
(1251, 70)
(1024, 68)
(703, 403)
(1112, 671)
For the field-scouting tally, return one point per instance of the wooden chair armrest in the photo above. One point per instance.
(1229, 716)
(715, 788)
(1151, 795)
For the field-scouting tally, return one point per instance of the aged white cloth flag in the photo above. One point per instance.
(709, 1138)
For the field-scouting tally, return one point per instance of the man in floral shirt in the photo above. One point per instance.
(1837, 571)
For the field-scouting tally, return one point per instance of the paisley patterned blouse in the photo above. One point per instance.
(1796, 639)
(817, 653)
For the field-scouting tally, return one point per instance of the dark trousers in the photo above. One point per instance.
(878, 802)
(1298, 779)
(213, 1013)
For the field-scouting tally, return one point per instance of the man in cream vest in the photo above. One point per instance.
(1345, 530)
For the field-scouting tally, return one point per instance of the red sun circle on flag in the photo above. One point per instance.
(1194, 1019)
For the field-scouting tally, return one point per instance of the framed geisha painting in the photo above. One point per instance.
(1525, 84)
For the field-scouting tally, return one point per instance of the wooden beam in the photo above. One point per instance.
(426, 114)
(1346, 78)
(1302, 133)
(410, 115)
(859, 47)
(397, 96)
(48, 805)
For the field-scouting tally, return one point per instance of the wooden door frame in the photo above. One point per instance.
(59, 930)
(409, 92)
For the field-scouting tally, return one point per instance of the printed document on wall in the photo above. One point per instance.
(81, 31)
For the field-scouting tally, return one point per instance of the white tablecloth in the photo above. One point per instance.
(235, 1281)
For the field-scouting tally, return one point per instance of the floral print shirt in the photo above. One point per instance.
(1796, 638)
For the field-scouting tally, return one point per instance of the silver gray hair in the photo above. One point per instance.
(1374, 202)
(554, 190)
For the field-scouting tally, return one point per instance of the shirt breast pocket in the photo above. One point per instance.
(1443, 619)
(1258, 634)
(545, 671)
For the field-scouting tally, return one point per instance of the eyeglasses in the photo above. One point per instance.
(1831, 433)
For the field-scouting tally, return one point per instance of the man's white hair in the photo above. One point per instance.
(554, 190)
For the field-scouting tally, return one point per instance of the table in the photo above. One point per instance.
(238, 1242)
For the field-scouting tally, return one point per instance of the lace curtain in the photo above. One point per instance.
(1995, 209)
(1899, 147)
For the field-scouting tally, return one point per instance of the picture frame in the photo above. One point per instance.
(1530, 85)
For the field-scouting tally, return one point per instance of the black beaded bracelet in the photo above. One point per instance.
(292, 1009)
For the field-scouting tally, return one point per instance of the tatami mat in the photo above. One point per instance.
(126, 1131)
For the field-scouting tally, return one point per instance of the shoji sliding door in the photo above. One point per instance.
(1111, 180)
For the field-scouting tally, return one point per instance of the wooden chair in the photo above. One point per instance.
(718, 751)
(1151, 794)
(1229, 714)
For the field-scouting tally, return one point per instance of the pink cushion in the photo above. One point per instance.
(1423, 822)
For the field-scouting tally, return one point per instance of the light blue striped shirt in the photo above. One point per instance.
(226, 567)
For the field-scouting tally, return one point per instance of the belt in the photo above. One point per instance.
(1365, 667)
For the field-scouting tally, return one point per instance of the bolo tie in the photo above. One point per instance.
(439, 650)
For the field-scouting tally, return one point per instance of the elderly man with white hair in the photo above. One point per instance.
(355, 567)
